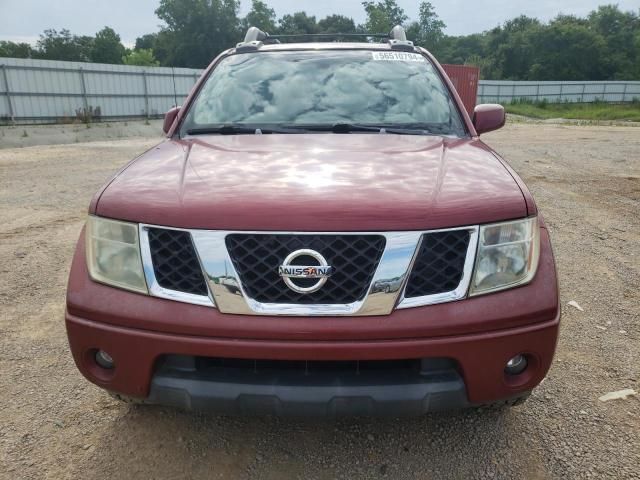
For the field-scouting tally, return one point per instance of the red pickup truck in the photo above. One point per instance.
(322, 232)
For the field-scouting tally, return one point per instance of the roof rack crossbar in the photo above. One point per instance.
(328, 35)
(255, 38)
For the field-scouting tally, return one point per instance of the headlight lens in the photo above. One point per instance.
(113, 254)
(507, 255)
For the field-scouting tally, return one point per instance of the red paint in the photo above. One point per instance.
(488, 117)
(323, 182)
(465, 79)
(169, 118)
(481, 357)
(319, 182)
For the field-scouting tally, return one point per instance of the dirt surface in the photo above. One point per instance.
(54, 424)
(30, 135)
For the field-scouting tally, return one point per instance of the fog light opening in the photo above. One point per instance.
(516, 365)
(104, 359)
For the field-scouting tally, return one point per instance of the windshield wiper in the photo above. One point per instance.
(335, 128)
(358, 127)
(237, 130)
(398, 129)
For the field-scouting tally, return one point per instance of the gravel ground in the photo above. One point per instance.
(54, 424)
(31, 135)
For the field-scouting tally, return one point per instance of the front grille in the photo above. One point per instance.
(439, 265)
(256, 258)
(175, 263)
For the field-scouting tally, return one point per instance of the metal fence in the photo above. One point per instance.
(45, 91)
(40, 91)
(505, 91)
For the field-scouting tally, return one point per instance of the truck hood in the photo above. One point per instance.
(314, 182)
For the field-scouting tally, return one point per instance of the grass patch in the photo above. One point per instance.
(579, 111)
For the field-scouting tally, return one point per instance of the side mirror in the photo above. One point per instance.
(488, 117)
(169, 118)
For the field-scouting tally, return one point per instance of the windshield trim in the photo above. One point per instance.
(465, 119)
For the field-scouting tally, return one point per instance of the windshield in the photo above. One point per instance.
(303, 89)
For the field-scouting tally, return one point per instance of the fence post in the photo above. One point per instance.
(83, 86)
(560, 97)
(584, 86)
(8, 92)
(604, 90)
(538, 92)
(624, 92)
(146, 93)
(173, 79)
(498, 94)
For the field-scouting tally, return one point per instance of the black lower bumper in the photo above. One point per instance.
(434, 385)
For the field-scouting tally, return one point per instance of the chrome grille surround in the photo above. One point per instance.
(227, 294)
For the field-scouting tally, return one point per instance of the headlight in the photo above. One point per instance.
(507, 255)
(113, 254)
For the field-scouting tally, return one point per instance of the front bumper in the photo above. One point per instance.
(480, 359)
(478, 334)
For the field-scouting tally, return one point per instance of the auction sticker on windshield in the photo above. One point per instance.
(398, 56)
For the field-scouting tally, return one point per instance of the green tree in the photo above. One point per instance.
(603, 45)
(428, 31)
(146, 42)
(15, 50)
(512, 47)
(619, 30)
(383, 15)
(196, 30)
(140, 56)
(297, 23)
(106, 47)
(54, 45)
(568, 52)
(336, 24)
(260, 16)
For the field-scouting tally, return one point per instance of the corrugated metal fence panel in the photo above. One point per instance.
(4, 98)
(465, 79)
(504, 91)
(48, 90)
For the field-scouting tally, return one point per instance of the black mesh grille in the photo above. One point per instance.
(440, 263)
(257, 257)
(175, 263)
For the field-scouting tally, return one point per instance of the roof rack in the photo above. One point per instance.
(255, 38)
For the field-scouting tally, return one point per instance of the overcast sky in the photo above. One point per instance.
(24, 20)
